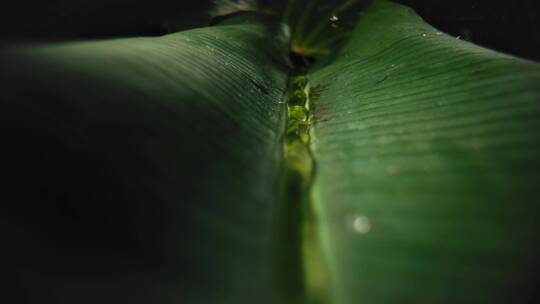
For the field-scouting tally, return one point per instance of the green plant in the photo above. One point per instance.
(201, 167)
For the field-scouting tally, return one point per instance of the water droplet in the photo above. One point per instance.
(361, 224)
(334, 18)
(423, 35)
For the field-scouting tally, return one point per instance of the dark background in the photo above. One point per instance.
(508, 26)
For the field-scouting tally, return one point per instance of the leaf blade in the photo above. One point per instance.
(423, 145)
(134, 141)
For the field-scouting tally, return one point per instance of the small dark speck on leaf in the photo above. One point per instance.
(262, 88)
(382, 79)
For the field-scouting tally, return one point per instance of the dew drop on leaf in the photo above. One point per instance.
(359, 224)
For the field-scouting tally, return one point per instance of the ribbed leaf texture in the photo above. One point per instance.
(428, 158)
(144, 170)
(151, 170)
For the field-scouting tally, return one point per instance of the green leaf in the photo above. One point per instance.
(428, 167)
(163, 170)
(144, 170)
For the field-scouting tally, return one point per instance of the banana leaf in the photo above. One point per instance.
(428, 158)
(156, 170)
(144, 170)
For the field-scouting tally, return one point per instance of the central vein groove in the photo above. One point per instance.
(307, 280)
(297, 140)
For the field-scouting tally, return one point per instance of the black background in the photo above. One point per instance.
(508, 26)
